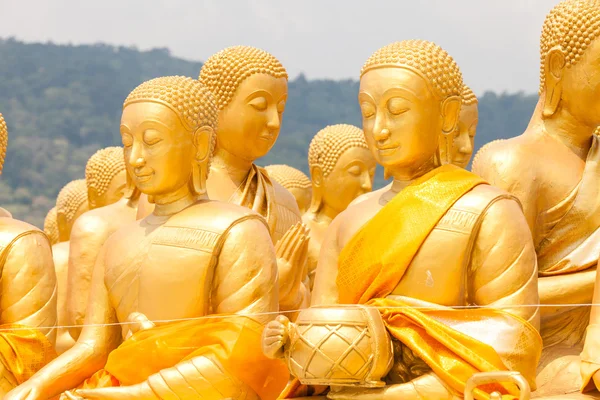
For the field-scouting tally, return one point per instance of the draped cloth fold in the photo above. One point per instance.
(24, 351)
(258, 194)
(573, 242)
(234, 341)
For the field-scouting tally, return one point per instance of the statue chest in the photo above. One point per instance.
(165, 275)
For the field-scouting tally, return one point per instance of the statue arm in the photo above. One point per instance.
(91, 351)
(245, 280)
(29, 287)
(575, 288)
(503, 270)
(325, 289)
(86, 242)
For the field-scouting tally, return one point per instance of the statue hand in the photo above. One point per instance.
(292, 265)
(275, 336)
(596, 378)
(404, 391)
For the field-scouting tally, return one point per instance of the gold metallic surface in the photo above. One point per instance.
(28, 296)
(51, 226)
(182, 262)
(463, 141)
(341, 169)
(250, 89)
(553, 169)
(105, 177)
(464, 254)
(294, 181)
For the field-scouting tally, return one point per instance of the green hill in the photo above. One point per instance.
(62, 103)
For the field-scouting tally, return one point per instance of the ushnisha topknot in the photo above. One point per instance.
(187, 97)
(425, 58)
(571, 25)
(3, 141)
(51, 226)
(331, 142)
(72, 196)
(288, 177)
(102, 167)
(225, 70)
(468, 97)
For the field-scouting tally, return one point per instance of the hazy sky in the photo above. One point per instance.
(495, 42)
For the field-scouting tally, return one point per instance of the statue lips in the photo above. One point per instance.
(143, 177)
(387, 150)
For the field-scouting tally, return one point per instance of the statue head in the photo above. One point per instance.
(341, 167)
(569, 66)
(250, 89)
(106, 177)
(72, 201)
(464, 138)
(294, 181)
(3, 141)
(167, 129)
(409, 96)
(51, 226)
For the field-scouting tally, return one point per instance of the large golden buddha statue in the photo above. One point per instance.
(72, 201)
(294, 181)
(113, 199)
(553, 168)
(439, 238)
(51, 226)
(28, 296)
(341, 169)
(204, 265)
(106, 177)
(249, 86)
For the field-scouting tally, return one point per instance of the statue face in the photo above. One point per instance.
(249, 125)
(303, 198)
(157, 147)
(401, 117)
(351, 177)
(581, 86)
(464, 139)
(114, 192)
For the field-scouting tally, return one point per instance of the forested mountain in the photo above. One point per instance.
(62, 103)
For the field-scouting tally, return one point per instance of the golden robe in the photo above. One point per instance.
(233, 341)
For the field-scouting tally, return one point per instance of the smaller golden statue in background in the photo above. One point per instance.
(72, 201)
(294, 181)
(51, 226)
(341, 169)
(106, 177)
(113, 198)
(28, 292)
(463, 141)
(250, 88)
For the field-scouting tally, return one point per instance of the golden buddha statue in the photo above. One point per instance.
(553, 169)
(105, 176)
(71, 203)
(250, 89)
(294, 181)
(341, 169)
(28, 296)
(113, 202)
(447, 259)
(178, 299)
(51, 226)
(464, 138)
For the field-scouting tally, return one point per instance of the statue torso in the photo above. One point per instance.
(163, 267)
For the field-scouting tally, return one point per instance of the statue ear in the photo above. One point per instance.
(202, 138)
(450, 114)
(316, 175)
(92, 198)
(554, 66)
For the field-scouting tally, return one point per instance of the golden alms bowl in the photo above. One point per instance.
(339, 346)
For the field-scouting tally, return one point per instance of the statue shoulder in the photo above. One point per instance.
(506, 161)
(285, 199)
(12, 228)
(90, 223)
